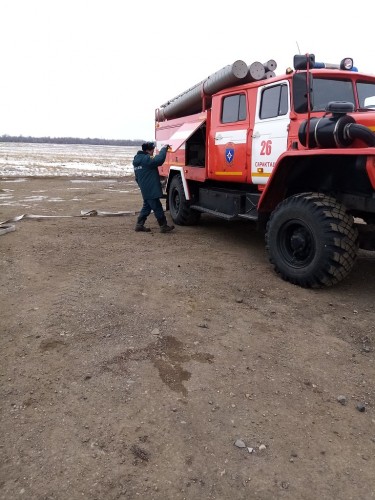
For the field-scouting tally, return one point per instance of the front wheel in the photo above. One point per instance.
(179, 208)
(311, 240)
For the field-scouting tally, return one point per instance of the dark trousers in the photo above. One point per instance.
(149, 205)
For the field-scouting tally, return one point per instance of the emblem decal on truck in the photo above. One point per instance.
(229, 155)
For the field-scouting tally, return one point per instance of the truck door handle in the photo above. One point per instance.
(218, 137)
(256, 135)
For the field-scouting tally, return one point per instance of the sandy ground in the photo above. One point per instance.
(132, 363)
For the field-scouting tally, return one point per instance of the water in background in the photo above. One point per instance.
(74, 160)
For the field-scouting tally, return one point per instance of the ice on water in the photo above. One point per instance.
(53, 160)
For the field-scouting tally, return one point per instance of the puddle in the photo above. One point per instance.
(50, 344)
(167, 355)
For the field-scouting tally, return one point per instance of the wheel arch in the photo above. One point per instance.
(173, 171)
(326, 172)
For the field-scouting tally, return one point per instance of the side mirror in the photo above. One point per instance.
(300, 61)
(301, 89)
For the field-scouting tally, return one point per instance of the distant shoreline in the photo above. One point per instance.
(71, 140)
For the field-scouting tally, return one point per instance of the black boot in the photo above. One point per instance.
(164, 228)
(140, 226)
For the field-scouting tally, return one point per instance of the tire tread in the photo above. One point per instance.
(341, 251)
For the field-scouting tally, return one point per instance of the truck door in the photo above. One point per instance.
(228, 135)
(270, 134)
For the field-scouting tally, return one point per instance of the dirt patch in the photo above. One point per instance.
(133, 362)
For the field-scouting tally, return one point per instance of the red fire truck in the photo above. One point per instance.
(295, 153)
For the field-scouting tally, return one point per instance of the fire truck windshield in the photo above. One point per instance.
(326, 90)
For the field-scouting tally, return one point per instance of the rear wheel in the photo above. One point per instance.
(179, 208)
(311, 240)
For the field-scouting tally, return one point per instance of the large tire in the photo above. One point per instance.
(179, 208)
(311, 240)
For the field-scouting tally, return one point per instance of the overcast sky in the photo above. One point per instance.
(90, 68)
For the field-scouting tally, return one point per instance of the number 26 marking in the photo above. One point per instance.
(266, 148)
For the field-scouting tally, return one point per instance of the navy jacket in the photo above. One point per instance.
(147, 174)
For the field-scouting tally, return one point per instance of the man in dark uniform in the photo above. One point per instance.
(148, 179)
